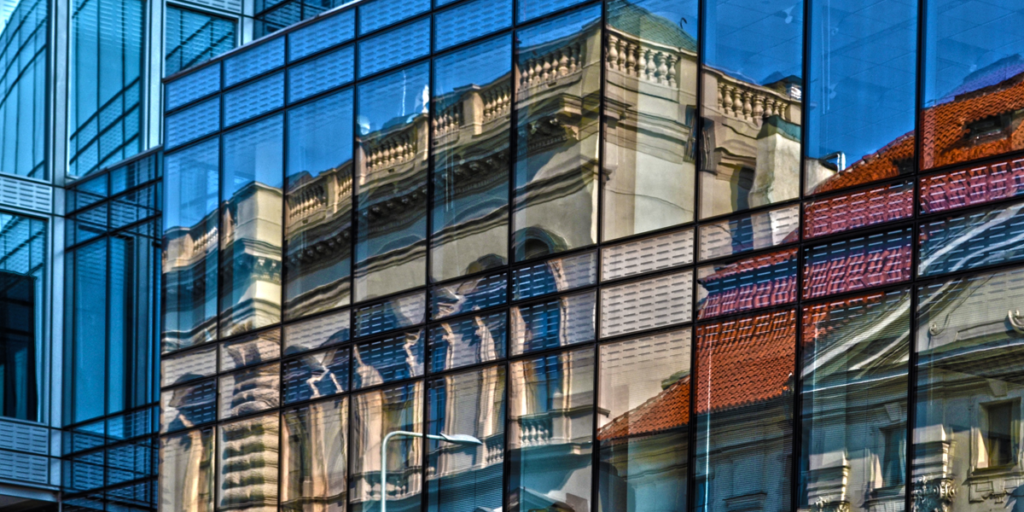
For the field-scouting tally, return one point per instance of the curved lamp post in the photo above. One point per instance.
(454, 438)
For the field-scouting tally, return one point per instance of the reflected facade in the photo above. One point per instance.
(617, 255)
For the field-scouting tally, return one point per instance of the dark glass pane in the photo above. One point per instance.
(193, 37)
(862, 60)
(645, 389)
(753, 56)
(391, 175)
(250, 349)
(314, 457)
(744, 285)
(188, 406)
(551, 422)
(387, 360)
(973, 65)
(469, 295)
(647, 304)
(472, 107)
(647, 255)
(391, 314)
(558, 95)
(318, 332)
(375, 414)
(743, 402)
(466, 476)
(749, 232)
(555, 275)
(853, 387)
(318, 206)
(650, 101)
(250, 238)
(977, 185)
(863, 262)
(23, 261)
(854, 210)
(186, 471)
(468, 341)
(190, 247)
(248, 464)
(248, 391)
(315, 375)
(557, 322)
(19, 381)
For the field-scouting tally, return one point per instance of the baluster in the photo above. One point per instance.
(563, 62)
(623, 48)
(747, 109)
(641, 64)
(613, 52)
(737, 102)
(672, 60)
(650, 73)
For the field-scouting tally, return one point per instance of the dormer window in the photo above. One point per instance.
(997, 433)
(988, 129)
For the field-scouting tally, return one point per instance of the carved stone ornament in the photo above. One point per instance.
(827, 505)
(934, 495)
(1016, 320)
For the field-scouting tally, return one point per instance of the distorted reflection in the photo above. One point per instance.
(317, 332)
(250, 349)
(469, 295)
(247, 391)
(314, 457)
(387, 360)
(854, 392)
(374, 415)
(557, 322)
(467, 341)
(318, 206)
(315, 375)
(391, 181)
(186, 472)
(752, 104)
(472, 114)
(551, 412)
(650, 102)
(557, 102)
(976, 239)
(645, 387)
(751, 283)
(247, 464)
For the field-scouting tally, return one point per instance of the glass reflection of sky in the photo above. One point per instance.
(758, 42)
(393, 99)
(483, 65)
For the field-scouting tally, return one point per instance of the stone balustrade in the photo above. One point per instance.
(749, 102)
(643, 60)
(563, 61)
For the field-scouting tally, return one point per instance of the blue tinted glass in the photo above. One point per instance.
(192, 123)
(187, 406)
(320, 74)
(469, 295)
(254, 99)
(977, 239)
(193, 86)
(468, 341)
(530, 9)
(193, 37)
(393, 48)
(89, 327)
(470, 21)
(557, 275)
(751, 283)
(867, 261)
(391, 314)
(387, 360)
(381, 13)
(322, 34)
(254, 61)
(315, 375)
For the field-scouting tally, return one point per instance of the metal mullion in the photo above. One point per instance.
(510, 206)
(354, 241)
(285, 143)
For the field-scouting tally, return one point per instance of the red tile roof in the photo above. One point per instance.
(857, 264)
(879, 165)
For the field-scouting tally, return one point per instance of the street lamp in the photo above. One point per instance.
(454, 438)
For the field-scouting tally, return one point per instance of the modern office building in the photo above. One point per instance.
(512, 255)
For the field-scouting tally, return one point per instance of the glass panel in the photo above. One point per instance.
(650, 101)
(23, 263)
(321, 35)
(643, 436)
(647, 255)
(392, 314)
(186, 471)
(314, 457)
(466, 476)
(557, 322)
(961, 188)
(862, 60)
(250, 243)
(250, 349)
(750, 232)
(854, 392)
(193, 365)
(647, 304)
(254, 61)
(753, 56)
(977, 239)
(248, 391)
(254, 99)
(468, 341)
(551, 413)
(321, 74)
(469, 295)
(88, 329)
(316, 375)
(744, 404)
(381, 13)
(748, 284)
(190, 247)
(860, 209)
(972, 88)
(862, 262)
(472, 107)
(318, 332)
(318, 206)
(392, 183)
(394, 48)
(470, 21)
(556, 152)
(247, 463)
(555, 275)
(387, 360)
(192, 38)
(375, 414)
(192, 123)
(969, 342)
(188, 406)
(530, 9)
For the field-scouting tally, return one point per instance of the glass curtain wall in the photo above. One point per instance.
(23, 54)
(567, 256)
(22, 296)
(193, 37)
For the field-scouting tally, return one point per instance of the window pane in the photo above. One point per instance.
(472, 340)
(647, 255)
(972, 86)
(556, 152)
(472, 100)
(753, 56)
(315, 375)
(318, 332)
(186, 471)
(469, 295)
(554, 275)
(90, 328)
(318, 206)
(744, 397)
(247, 464)
(22, 263)
(855, 362)
(250, 349)
(551, 412)
(647, 304)
(392, 183)
(977, 239)
(645, 389)
(187, 406)
(885, 203)
(387, 360)
(250, 243)
(650, 101)
(864, 262)
(193, 38)
(395, 313)
(749, 232)
(980, 184)
(187, 367)
(862, 60)
(248, 391)
(376, 414)
(556, 322)
(747, 284)
(314, 457)
(464, 476)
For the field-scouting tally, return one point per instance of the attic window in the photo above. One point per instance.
(997, 434)
(988, 129)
